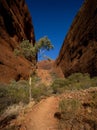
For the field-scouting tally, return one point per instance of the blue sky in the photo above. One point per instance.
(53, 18)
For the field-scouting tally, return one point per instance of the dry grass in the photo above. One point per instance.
(9, 114)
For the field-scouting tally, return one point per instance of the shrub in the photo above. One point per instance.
(59, 85)
(4, 98)
(94, 82)
(69, 107)
(80, 81)
(13, 93)
(93, 101)
(76, 116)
(76, 81)
(18, 91)
(40, 92)
(78, 77)
(68, 111)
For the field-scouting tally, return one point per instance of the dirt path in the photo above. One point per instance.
(42, 116)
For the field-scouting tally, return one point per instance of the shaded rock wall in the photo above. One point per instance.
(79, 50)
(15, 25)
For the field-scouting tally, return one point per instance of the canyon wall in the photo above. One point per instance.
(79, 49)
(15, 25)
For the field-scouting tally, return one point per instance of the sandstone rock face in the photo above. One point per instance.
(15, 25)
(79, 50)
(48, 71)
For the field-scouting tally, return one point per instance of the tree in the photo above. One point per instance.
(29, 51)
(44, 44)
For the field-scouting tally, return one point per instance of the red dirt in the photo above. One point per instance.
(42, 116)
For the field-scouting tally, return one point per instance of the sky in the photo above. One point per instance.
(53, 18)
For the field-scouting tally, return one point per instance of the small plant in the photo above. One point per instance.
(59, 85)
(69, 107)
(4, 98)
(17, 52)
(18, 92)
(94, 82)
(93, 101)
(40, 92)
(68, 113)
(54, 75)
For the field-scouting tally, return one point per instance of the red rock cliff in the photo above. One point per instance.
(15, 25)
(79, 50)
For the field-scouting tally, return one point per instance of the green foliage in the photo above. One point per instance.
(29, 51)
(40, 92)
(94, 82)
(18, 92)
(59, 85)
(76, 113)
(25, 49)
(78, 77)
(76, 81)
(17, 52)
(80, 81)
(14, 93)
(69, 107)
(4, 99)
(44, 44)
(38, 89)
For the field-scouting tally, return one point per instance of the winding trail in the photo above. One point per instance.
(42, 116)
